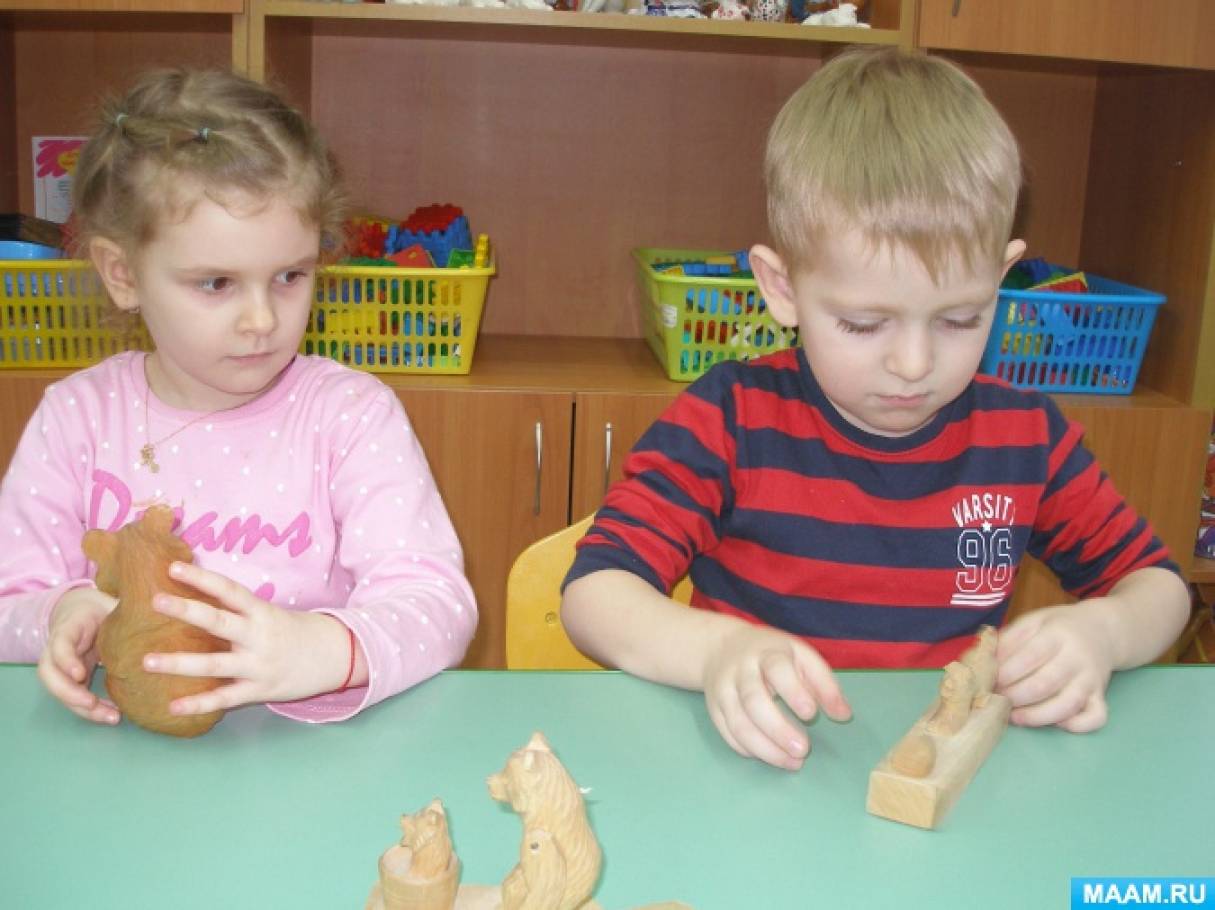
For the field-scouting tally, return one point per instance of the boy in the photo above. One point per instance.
(865, 500)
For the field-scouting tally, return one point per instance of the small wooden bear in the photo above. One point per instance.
(133, 565)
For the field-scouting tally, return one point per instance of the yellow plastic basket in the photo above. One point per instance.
(692, 323)
(52, 314)
(383, 320)
(389, 320)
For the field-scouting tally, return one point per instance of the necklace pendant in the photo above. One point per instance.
(147, 457)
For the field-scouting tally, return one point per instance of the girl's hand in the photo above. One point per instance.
(743, 676)
(70, 656)
(276, 654)
(1055, 664)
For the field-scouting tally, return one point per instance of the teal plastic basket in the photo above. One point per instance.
(1072, 342)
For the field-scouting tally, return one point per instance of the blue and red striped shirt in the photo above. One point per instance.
(879, 551)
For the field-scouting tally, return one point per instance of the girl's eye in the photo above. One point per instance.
(859, 328)
(215, 285)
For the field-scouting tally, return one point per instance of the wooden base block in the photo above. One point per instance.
(469, 897)
(923, 801)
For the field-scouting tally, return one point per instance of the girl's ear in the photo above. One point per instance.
(774, 282)
(114, 266)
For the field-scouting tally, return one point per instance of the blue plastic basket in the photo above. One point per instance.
(1069, 342)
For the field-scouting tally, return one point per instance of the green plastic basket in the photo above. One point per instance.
(692, 323)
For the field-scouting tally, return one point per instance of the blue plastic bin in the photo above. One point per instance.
(1072, 342)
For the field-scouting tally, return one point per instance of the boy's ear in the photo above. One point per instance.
(1014, 251)
(114, 266)
(774, 282)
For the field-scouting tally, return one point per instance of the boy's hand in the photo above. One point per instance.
(276, 655)
(70, 656)
(1055, 664)
(741, 677)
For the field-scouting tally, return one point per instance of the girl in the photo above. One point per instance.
(204, 201)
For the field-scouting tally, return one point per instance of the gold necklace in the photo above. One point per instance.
(147, 454)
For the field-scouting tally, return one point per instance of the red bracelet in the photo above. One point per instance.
(350, 671)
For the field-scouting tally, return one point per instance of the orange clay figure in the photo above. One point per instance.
(133, 565)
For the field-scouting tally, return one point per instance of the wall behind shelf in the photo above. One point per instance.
(1049, 107)
(8, 118)
(61, 62)
(1151, 210)
(567, 155)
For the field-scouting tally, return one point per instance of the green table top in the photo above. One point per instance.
(270, 813)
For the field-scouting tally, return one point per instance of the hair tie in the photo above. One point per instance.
(204, 133)
(118, 120)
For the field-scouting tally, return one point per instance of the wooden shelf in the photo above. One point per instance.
(1127, 31)
(525, 363)
(1203, 571)
(228, 7)
(624, 365)
(612, 22)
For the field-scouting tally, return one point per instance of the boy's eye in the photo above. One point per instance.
(859, 328)
(214, 285)
(291, 276)
(961, 324)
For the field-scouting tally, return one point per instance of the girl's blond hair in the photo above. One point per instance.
(904, 148)
(178, 133)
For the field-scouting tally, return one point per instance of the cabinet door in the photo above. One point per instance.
(607, 425)
(19, 396)
(1156, 458)
(1130, 31)
(502, 462)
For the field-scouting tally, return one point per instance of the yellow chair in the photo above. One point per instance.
(535, 637)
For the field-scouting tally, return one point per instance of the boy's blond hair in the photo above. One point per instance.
(904, 148)
(181, 133)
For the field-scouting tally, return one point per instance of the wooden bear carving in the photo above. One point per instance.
(133, 565)
(559, 858)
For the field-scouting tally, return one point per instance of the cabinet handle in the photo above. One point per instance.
(607, 455)
(957, 8)
(539, 465)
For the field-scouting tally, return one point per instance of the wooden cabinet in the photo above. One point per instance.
(508, 473)
(1145, 448)
(1176, 33)
(20, 393)
(501, 460)
(606, 426)
(519, 449)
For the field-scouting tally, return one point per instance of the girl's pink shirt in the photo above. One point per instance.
(316, 496)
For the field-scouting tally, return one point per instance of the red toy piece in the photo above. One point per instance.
(432, 218)
(413, 257)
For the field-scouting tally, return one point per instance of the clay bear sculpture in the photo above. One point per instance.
(133, 565)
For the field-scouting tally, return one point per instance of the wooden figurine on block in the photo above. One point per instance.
(927, 770)
(133, 565)
(421, 872)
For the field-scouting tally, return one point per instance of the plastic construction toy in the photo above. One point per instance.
(1028, 273)
(438, 228)
(735, 265)
(412, 257)
(366, 236)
